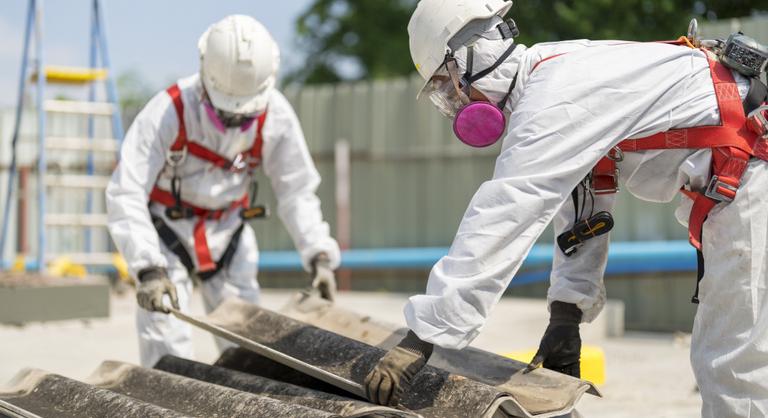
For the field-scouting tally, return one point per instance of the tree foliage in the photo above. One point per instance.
(365, 39)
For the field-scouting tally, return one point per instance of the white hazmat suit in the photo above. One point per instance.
(285, 161)
(570, 111)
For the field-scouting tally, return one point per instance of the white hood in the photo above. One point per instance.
(486, 52)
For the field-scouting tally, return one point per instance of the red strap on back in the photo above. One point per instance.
(732, 145)
(731, 132)
(731, 141)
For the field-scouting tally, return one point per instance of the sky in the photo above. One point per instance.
(156, 38)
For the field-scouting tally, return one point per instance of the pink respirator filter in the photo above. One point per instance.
(214, 118)
(479, 124)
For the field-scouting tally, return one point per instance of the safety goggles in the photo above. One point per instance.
(445, 89)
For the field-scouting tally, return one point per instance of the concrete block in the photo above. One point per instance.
(33, 297)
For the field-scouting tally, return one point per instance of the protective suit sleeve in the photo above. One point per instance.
(578, 279)
(142, 157)
(562, 124)
(294, 180)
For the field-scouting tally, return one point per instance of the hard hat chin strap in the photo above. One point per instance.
(468, 78)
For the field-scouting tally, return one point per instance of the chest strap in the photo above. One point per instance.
(248, 159)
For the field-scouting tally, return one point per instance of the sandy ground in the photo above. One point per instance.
(646, 374)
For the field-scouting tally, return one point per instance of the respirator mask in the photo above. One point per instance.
(475, 123)
(223, 120)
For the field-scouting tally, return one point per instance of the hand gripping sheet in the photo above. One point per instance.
(541, 393)
(435, 392)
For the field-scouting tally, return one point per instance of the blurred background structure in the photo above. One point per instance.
(395, 181)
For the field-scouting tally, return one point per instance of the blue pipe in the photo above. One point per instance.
(623, 258)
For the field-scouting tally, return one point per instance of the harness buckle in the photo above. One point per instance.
(604, 183)
(758, 123)
(254, 212)
(616, 154)
(239, 163)
(176, 158)
(243, 162)
(720, 190)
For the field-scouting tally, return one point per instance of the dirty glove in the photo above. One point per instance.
(323, 278)
(560, 348)
(153, 284)
(392, 376)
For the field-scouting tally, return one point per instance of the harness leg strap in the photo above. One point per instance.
(201, 247)
(699, 274)
(171, 241)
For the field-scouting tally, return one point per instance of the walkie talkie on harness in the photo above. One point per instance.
(594, 225)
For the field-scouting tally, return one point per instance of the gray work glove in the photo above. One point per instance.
(560, 348)
(153, 284)
(323, 278)
(394, 373)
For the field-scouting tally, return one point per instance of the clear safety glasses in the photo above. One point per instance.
(445, 89)
(229, 119)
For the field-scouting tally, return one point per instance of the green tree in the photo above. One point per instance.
(366, 39)
(134, 91)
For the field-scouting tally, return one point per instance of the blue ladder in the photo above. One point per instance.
(99, 71)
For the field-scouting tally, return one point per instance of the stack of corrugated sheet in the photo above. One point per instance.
(469, 383)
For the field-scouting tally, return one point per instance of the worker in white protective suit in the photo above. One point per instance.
(561, 108)
(179, 201)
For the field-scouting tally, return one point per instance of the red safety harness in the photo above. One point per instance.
(247, 160)
(732, 144)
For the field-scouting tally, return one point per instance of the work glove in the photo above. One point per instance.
(153, 284)
(394, 373)
(560, 348)
(323, 278)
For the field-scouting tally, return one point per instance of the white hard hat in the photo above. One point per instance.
(238, 64)
(436, 22)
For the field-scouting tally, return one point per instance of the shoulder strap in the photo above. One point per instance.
(181, 137)
(258, 142)
(731, 132)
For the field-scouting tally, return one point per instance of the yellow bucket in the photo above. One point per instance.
(592, 362)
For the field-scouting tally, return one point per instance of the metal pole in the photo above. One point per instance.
(101, 31)
(41, 161)
(17, 128)
(91, 97)
(21, 218)
(341, 157)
